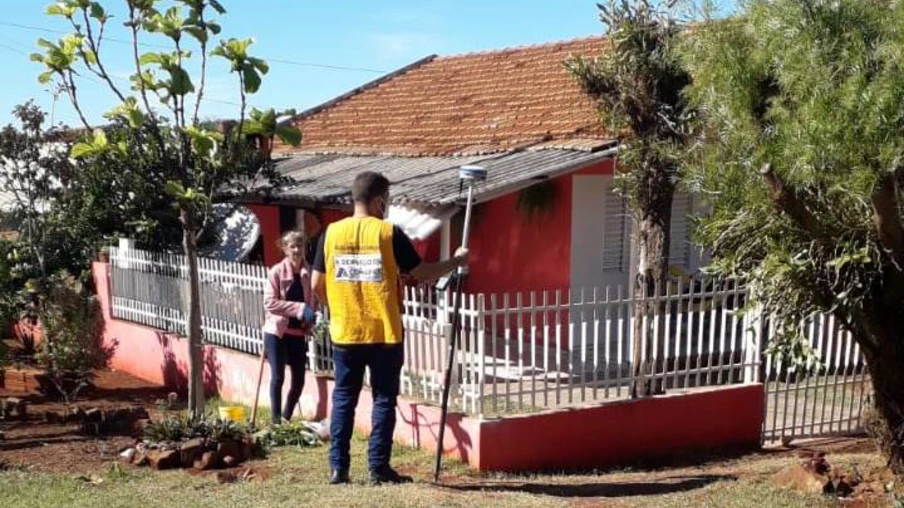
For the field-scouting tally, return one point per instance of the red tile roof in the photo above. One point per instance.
(473, 103)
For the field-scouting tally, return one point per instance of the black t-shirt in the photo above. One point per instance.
(406, 256)
(295, 293)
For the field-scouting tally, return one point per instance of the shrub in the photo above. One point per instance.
(179, 428)
(296, 433)
(71, 345)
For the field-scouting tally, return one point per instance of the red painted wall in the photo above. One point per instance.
(625, 431)
(590, 436)
(160, 357)
(268, 216)
(511, 253)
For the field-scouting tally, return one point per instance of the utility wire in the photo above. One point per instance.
(158, 46)
(10, 48)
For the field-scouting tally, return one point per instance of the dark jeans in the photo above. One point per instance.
(289, 351)
(385, 364)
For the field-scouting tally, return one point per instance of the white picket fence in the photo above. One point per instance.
(527, 351)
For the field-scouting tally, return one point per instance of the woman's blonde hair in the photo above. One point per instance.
(292, 236)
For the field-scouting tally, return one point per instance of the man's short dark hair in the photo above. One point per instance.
(368, 186)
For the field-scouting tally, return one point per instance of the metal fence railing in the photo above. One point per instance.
(526, 351)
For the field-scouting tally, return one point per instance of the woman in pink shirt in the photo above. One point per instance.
(289, 304)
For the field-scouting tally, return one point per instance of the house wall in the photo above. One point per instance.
(511, 252)
(268, 216)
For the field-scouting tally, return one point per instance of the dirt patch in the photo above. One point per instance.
(37, 444)
(243, 473)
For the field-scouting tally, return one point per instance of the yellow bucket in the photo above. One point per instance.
(234, 413)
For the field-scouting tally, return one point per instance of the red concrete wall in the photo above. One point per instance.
(162, 358)
(592, 436)
(625, 431)
(268, 216)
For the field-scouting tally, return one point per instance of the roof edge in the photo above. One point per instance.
(355, 91)
(524, 47)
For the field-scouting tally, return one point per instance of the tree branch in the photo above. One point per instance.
(141, 87)
(791, 204)
(73, 96)
(887, 218)
(95, 48)
(200, 96)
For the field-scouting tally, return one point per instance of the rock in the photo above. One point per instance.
(229, 447)
(161, 460)
(800, 478)
(128, 455)
(209, 460)
(141, 459)
(840, 484)
(14, 408)
(230, 461)
(191, 450)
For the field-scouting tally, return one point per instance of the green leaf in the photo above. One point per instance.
(289, 134)
(175, 189)
(203, 141)
(128, 110)
(36, 57)
(252, 79)
(198, 33)
(214, 27)
(98, 13)
(180, 83)
(151, 58)
(45, 77)
(60, 9)
(90, 57)
(259, 64)
(217, 6)
(80, 150)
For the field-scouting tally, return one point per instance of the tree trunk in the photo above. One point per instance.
(652, 274)
(885, 422)
(193, 316)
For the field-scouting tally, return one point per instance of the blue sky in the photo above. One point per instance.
(363, 36)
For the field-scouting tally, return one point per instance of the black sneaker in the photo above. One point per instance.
(339, 476)
(388, 475)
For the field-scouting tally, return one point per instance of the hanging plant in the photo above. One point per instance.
(537, 200)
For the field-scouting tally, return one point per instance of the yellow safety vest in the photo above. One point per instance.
(362, 282)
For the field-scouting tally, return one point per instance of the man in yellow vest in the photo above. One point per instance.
(357, 269)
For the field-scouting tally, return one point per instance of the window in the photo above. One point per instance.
(615, 231)
(680, 247)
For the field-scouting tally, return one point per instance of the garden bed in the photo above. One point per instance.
(42, 443)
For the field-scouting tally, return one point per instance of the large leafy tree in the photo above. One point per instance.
(164, 139)
(803, 157)
(638, 82)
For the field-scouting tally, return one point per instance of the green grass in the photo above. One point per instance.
(297, 478)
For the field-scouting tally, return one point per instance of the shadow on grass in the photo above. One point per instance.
(614, 489)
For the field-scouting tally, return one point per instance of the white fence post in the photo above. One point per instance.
(481, 352)
(753, 331)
